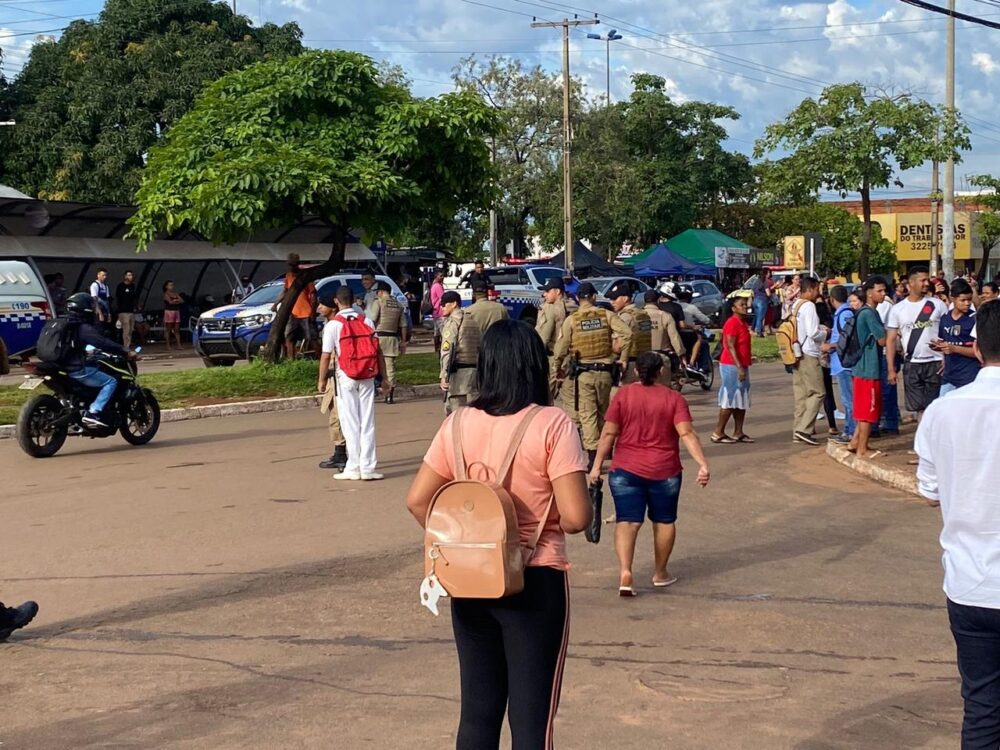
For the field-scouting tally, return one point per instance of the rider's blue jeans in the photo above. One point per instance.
(96, 379)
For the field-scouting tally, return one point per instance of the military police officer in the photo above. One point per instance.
(639, 323)
(484, 311)
(551, 316)
(665, 338)
(584, 353)
(392, 329)
(459, 353)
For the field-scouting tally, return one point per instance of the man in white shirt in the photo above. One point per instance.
(914, 322)
(355, 398)
(960, 468)
(807, 380)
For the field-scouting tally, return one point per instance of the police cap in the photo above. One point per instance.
(554, 282)
(383, 286)
(586, 290)
(619, 289)
(451, 296)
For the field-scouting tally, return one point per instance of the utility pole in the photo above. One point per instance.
(935, 217)
(234, 7)
(948, 249)
(566, 24)
(494, 260)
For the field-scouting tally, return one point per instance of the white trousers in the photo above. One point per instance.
(356, 407)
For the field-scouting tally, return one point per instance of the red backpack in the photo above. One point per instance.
(358, 349)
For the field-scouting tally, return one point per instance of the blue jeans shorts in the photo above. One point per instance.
(635, 497)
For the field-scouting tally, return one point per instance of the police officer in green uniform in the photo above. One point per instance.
(666, 339)
(551, 316)
(459, 353)
(638, 321)
(391, 328)
(585, 354)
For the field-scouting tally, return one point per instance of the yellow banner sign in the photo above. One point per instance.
(915, 234)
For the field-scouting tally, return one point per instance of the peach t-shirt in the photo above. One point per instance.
(551, 449)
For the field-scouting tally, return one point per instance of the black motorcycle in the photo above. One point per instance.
(47, 420)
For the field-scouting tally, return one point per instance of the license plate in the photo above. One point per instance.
(31, 384)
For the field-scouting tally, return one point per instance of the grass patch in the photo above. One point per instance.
(254, 381)
(765, 349)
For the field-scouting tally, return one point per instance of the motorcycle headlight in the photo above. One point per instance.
(255, 321)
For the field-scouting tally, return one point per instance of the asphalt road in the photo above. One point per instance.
(216, 590)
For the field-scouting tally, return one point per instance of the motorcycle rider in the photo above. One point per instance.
(83, 332)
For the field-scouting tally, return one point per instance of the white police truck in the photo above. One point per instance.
(25, 305)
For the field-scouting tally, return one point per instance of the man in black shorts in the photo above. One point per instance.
(302, 321)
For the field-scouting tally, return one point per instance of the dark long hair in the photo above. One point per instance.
(649, 365)
(513, 369)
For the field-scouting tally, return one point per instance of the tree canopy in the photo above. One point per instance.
(90, 104)
(849, 141)
(987, 221)
(317, 134)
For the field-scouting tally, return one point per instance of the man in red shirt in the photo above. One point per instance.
(303, 318)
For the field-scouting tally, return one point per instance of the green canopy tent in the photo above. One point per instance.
(699, 245)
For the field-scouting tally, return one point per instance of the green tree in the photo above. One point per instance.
(527, 149)
(647, 168)
(314, 134)
(987, 221)
(91, 104)
(849, 141)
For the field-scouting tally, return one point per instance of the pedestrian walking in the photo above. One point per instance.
(955, 339)
(960, 469)
(173, 302)
(127, 305)
(392, 328)
(460, 340)
(807, 379)
(485, 311)
(914, 322)
(302, 321)
(551, 316)
(761, 290)
(511, 650)
(585, 355)
(642, 431)
(842, 312)
(349, 341)
(734, 370)
(867, 372)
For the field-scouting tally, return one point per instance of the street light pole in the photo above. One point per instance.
(566, 24)
(612, 36)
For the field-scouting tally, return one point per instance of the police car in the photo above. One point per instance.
(226, 334)
(518, 288)
(25, 305)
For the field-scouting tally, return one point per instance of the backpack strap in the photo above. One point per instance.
(461, 473)
(515, 442)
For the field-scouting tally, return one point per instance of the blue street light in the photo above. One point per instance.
(612, 36)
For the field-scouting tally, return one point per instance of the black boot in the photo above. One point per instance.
(390, 397)
(12, 618)
(338, 460)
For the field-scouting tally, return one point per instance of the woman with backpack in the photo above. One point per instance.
(511, 649)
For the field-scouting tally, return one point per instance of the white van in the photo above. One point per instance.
(25, 305)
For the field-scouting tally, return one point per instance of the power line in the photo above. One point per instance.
(952, 13)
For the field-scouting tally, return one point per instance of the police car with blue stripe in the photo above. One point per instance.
(25, 305)
(518, 288)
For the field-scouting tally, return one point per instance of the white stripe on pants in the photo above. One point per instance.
(356, 407)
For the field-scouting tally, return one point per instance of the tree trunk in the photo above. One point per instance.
(866, 231)
(984, 263)
(273, 348)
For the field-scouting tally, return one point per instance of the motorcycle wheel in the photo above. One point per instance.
(142, 420)
(707, 383)
(34, 435)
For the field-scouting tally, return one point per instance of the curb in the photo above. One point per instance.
(898, 479)
(403, 393)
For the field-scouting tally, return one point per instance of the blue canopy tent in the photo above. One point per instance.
(662, 261)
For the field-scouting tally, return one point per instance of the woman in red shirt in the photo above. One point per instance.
(644, 426)
(734, 367)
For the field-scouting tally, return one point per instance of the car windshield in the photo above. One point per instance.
(601, 285)
(544, 274)
(265, 295)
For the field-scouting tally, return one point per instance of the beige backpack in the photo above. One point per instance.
(471, 540)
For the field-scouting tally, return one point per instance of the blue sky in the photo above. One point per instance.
(758, 56)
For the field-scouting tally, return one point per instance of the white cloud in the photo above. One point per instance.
(984, 61)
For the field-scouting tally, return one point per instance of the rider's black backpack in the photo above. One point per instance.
(849, 345)
(55, 341)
